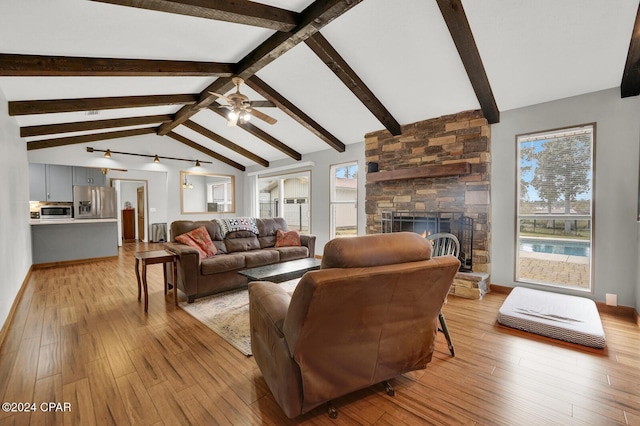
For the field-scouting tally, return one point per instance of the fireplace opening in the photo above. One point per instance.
(429, 223)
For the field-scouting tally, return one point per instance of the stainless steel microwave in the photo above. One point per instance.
(56, 212)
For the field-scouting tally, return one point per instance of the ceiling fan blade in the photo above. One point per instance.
(261, 104)
(220, 96)
(264, 117)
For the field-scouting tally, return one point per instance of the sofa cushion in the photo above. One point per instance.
(287, 238)
(183, 226)
(291, 253)
(241, 241)
(267, 228)
(200, 240)
(222, 263)
(257, 258)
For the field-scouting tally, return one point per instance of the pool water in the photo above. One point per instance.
(570, 248)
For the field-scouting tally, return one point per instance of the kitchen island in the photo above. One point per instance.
(63, 240)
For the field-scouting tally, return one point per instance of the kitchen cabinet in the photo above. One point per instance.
(50, 182)
(88, 176)
(128, 225)
(37, 182)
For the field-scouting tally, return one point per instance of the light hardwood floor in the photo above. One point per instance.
(80, 336)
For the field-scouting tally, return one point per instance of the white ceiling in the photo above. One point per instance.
(533, 52)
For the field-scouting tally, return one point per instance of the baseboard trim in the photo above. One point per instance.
(500, 289)
(619, 311)
(71, 262)
(14, 307)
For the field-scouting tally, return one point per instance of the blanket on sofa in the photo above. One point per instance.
(237, 224)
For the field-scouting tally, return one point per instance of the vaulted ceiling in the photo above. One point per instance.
(78, 72)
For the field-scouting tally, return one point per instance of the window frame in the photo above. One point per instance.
(306, 173)
(591, 217)
(332, 193)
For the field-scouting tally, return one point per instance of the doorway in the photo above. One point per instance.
(133, 215)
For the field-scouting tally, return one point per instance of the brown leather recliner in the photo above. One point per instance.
(368, 315)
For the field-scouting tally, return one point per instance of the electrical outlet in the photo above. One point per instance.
(611, 299)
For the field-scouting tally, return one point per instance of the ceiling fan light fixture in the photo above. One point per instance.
(233, 115)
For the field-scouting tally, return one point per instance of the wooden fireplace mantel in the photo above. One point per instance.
(428, 171)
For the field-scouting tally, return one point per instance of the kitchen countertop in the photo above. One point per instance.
(68, 221)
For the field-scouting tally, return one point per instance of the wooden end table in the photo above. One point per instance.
(150, 258)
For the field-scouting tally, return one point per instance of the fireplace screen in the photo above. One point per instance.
(428, 223)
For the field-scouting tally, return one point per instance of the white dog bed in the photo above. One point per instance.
(569, 318)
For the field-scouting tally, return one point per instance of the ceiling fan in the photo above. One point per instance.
(240, 108)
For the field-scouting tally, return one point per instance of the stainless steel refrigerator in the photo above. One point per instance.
(94, 202)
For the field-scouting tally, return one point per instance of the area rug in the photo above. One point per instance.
(570, 318)
(227, 314)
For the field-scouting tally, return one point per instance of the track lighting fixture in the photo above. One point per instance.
(156, 158)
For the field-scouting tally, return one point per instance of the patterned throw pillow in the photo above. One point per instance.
(200, 240)
(287, 238)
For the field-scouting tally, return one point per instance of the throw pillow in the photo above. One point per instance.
(287, 238)
(200, 240)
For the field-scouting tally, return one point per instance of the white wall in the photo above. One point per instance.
(616, 248)
(15, 231)
(320, 178)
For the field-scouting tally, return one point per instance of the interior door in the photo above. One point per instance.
(141, 211)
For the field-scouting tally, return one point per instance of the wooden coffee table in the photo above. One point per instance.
(150, 258)
(280, 272)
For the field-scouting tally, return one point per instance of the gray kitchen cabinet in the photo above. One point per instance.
(59, 183)
(88, 176)
(37, 182)
(50, 182)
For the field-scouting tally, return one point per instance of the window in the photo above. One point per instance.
(286, 196)
(555, 208)
(344, 200)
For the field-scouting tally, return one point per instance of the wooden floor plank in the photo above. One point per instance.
(78, 395)
(79, 335)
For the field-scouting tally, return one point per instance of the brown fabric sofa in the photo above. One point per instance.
(238, 250)
(368, 315)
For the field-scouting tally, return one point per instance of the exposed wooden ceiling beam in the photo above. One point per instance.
(37, 65)
(237, 11)
(52, 129)
(456, 20)
(206, 151)
(312, 19)
(264, 136)
(348, 76)
(630, 85)
(92, 104)
(294, 112)
(221, 85)
(225, 142)
(72, 140)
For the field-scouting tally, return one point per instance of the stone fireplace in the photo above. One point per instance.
(435, 166)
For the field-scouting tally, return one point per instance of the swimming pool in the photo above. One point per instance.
(570, 248)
